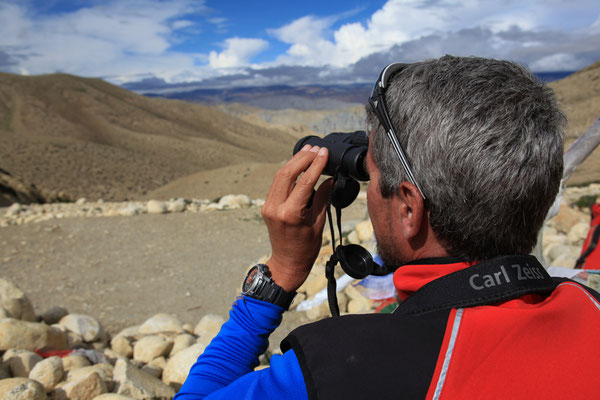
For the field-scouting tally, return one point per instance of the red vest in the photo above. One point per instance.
(536, 346)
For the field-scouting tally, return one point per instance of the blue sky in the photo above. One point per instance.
(277, 42)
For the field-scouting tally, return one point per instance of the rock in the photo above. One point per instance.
(81, 201)
(121, 345)
(21, 389)
(137, 384)
(87, 327)
(4, 313)
(130, 332)
(314, 283)
(564, 260)
(160, 362)
(15, 302)
(21, 362)
(179, 365)
(360, 306)
(54, 315)
(16, 334)
(188, 328)
(593, 281)
(161, 323)
(84, 387)
(549, 239)
(208, 327)
(4, 370)
(105, 371)
(153, 370)
(75, 361)
(48, 372)
(156, 207)
(353, 238)
(150, 347)
(175, 206)
(300, 297)
(131, 209)
(567, 218)
(364, 231)
(318, 312)
(578, 233)
(181, 342)
(232, 201)
(14, 209)
(112, 396)
(112, 356)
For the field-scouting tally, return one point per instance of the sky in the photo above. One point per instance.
(264, 42)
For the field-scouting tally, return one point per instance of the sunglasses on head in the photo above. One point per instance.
(377, 102)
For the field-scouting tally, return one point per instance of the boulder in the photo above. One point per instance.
(176, 205)
(360, 306)
(179, 365)
(84, 387)
(122, 345)
(233, 201)
(137, 384)
(131, 209)
(21, 362)
(208, 327)
(567, 218)
(21, 389)
(578, 233)
(181, 342)
(48, 372)
(54, 315)
(364, 230)
(104, 371)
(112, 396)
(15, 302)
(156, 207)
(130, 332)
(85, 326)
(161, 323)
(148, 348)
(17, 334)
(75, 361)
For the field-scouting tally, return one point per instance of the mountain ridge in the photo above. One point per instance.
(86, 137)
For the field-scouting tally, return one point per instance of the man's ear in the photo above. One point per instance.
(411, 207)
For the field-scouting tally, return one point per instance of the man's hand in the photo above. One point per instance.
(295, 231)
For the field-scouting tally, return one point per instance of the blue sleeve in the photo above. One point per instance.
(225, 369)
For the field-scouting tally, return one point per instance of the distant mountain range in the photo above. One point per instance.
(309, 97)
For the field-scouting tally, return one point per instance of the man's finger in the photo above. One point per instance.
(285, 178)
(300, 196)
(319, 202)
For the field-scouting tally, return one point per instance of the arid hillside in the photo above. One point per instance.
(579, 96)
(86, 137)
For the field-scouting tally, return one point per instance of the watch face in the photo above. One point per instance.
(250, 280)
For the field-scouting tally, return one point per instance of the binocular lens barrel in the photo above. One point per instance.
(347, 153)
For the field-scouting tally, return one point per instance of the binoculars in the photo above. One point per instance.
(347, 153)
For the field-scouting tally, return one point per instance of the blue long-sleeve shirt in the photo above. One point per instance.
(225, 369)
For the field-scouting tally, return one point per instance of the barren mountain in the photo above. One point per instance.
(86, 137)
(579, 96)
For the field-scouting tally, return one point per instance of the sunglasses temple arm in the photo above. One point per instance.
(391, 134)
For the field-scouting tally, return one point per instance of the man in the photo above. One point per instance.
(455, 205)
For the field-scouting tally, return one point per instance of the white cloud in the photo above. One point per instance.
(238, 52)
(114, 39)
(557, 62)
(401, 22)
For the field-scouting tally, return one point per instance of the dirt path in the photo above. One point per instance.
(123, 270)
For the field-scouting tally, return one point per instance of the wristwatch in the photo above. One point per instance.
(259, 285)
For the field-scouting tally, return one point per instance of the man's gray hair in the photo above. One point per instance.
(485, 141)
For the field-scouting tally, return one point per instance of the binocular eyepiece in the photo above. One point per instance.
(347, 153)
